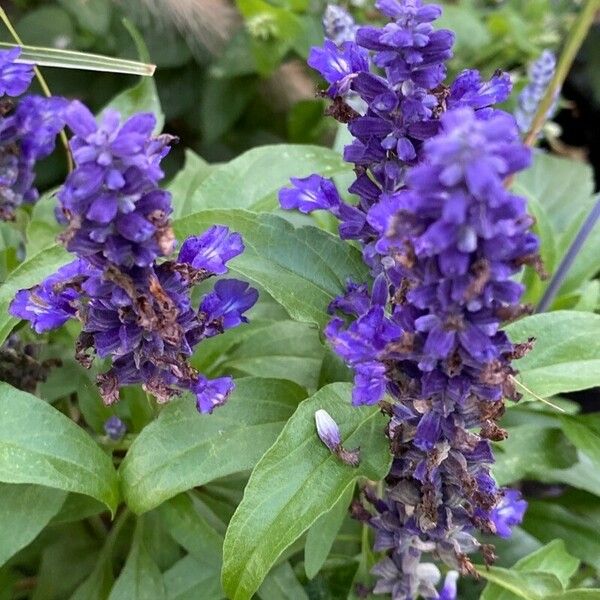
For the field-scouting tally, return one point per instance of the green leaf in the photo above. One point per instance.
(553, 559)
(550, 180)
(576, 595)
(530, 585)
(140, 578)
(71, 59)
(547, 521)
(566, 355)
(24, 511)
(194, 172)
(281, 350)
(26, 275)
(217, 117)
(530, 452)
(252, 180)
(143, 97)
(190, 579)
(322, 534)
(40, 445)
(282, 583)
(92, 15)
(47, 26)
(192, 531)
(183, 449)
(584, 433)
(302, 269)
(296, 482)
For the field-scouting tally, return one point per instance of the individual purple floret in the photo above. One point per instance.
(540, 74)
(311, 193)
(444, 240)
(135, 310)
(508, 513)
(114, 428)
(15, 78)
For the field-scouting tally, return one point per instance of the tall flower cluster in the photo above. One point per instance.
(540, 74)
(132, 298)
(443, 238)
(28, 133)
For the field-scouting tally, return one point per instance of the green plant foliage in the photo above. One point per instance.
(315, 480)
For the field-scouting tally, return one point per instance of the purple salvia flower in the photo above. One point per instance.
(135, 311)
(310, 194)
(114, 428)
(27, 134)
(540, 73)
(444, 240)
(15, 78)
(115, 211)
(211, 250)
(508, 513)
(211, 393)
(339, 24)
(338, 65)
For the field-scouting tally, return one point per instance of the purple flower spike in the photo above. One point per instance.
(508, 513)
(309, 194)
(135, 310)
(211, 393)
(211, 250)
(14, 78)
(444, 240)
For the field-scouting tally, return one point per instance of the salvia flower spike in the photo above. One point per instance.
(132, 296)
(443, 238)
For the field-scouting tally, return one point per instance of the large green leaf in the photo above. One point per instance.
(140, 578)
(252, 180)
(576, 595)
(190, 579)
(551, 180)
(278, 349)
(303, 269)
(183, 449)
(192, 531)
(296, 482)
(26, 275)
(566, 355)
(530, 451)
(322, 534)
(546, 185)
(547, 521)
(530, 585)
(552, 559)
(24, 511)
(584, 432)
(282, 584)
(182, 186)
(40, 445)
(143, 97)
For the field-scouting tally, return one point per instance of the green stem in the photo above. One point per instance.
(575, 39)
(42, 82)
